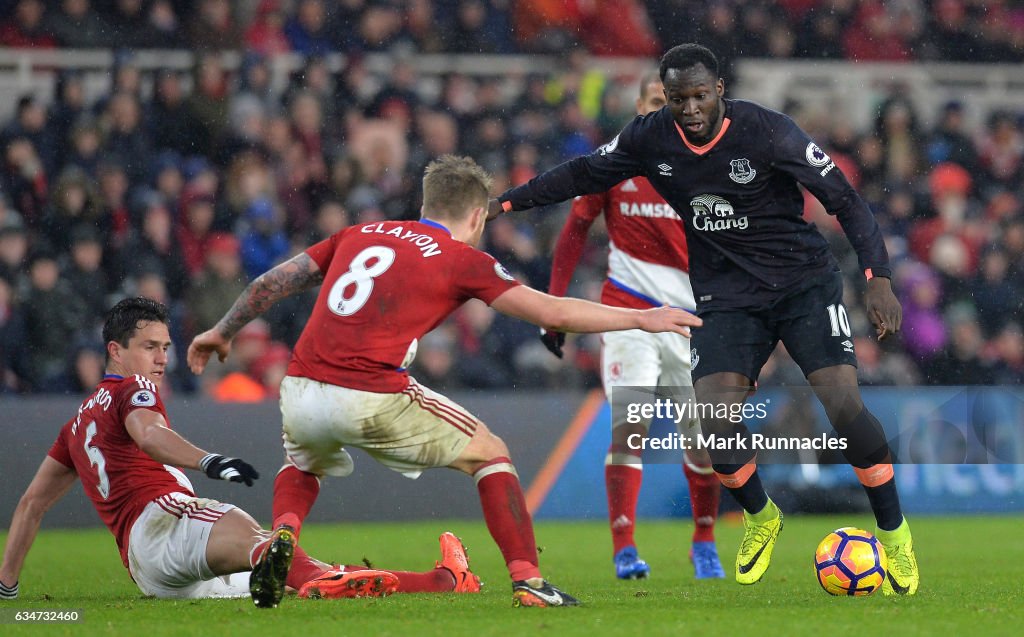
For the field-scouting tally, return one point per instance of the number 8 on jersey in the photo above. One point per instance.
(361, 277)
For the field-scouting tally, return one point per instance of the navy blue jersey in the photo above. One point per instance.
(738, 197)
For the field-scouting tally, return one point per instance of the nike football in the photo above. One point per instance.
(850, 561)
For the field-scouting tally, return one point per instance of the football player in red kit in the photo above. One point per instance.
(648, 266)
(385, 285)
(174, 544)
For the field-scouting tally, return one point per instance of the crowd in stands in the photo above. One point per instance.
(185, 187)
(900, 30)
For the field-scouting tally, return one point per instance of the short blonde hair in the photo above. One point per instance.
(452, 185)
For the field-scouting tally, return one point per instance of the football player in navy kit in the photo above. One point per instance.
(760, 275)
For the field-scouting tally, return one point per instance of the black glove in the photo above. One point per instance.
(220, 467)
(8, 592)
(553, 341)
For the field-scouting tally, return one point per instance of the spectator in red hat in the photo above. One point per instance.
(253, 356)
(266, 33)
(252, 342)
(950, 186)
(876, 35)
(193, 230)
(221, 281)
(271, 367)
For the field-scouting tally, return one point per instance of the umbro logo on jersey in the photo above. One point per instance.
(629, 186)
(694, 358)
(665, 169)
(847, 345)
(741, 172)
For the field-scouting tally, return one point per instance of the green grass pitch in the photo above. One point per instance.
(972, 584)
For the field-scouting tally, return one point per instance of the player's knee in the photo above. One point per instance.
(232, 539)
(837, 389)
(841, 405)
(494, 447)
(484, 447)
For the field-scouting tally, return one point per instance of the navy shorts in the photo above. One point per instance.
(812, 323)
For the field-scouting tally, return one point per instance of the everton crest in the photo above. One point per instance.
(741, 171)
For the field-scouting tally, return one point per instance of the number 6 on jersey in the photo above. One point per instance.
(361, 277)
(97, 460)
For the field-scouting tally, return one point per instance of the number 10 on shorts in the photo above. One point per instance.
(839, 320)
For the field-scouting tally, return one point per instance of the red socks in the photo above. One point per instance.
(623, 474)
(507, 517)
(704, 494)
(438, 580)
(295, 491)
(303, 569)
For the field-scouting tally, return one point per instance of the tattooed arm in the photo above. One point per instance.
(298, 274)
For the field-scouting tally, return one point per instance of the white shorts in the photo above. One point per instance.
(635, 358)
(167, 550)
(408, 431)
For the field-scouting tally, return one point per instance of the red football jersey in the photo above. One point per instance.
(648, 259)
(118, 477)
(385, 285)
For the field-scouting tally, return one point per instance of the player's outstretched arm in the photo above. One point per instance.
(566, 314)
(49, 485)
(614, 162)
(150, 432)
(298, 274)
